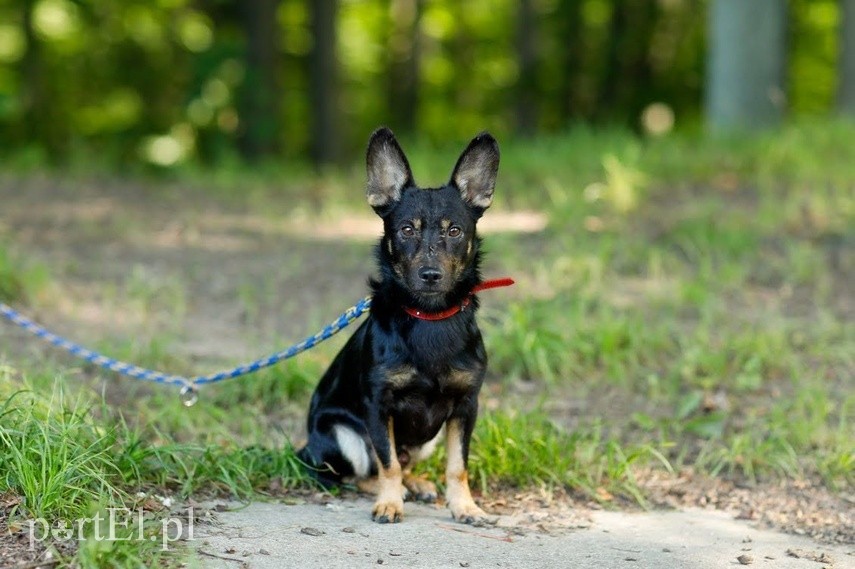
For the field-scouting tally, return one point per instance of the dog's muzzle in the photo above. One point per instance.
(430, 275)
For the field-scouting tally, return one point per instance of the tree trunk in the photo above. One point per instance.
(260, 113)
(569, 14)
(526, 96)
(628, 72)
(31, 71)
(323, 83)
(45, 124)
(405, 63)
(746, 64)
(846, 86)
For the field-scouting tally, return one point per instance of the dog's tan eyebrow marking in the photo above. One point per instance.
(445, 224)
(417, 223)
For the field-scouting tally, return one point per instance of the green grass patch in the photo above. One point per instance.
(64, 457)
(19, 280)
(55, 458)
(67, 459)
(529, 450)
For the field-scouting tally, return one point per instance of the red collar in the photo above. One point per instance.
(432, 316)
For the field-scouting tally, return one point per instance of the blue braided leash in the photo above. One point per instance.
(189, 386)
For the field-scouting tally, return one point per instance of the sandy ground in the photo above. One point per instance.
(341, 534)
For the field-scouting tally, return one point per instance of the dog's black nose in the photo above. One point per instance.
(430, 275)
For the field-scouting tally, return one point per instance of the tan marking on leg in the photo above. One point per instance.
(457, 494)
(372, 486)
(368, 485)
(389, 506)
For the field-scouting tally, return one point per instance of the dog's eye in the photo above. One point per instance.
(454, 231)
(408, 231)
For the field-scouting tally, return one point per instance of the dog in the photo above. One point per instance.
(414, 368)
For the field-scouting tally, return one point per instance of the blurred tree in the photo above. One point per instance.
(627, 71)
(31, 71)
(180, 80)
(571, 31)
(745, 73)
(527, 88)
(405, 45)
(323, 83)
(260, 110)
(846, 85)
(43, 122)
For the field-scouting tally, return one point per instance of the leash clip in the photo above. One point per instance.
(189, 395)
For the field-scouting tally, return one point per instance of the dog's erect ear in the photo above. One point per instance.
(476, 169)
(388, 170)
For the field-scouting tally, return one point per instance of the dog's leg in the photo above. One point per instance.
(372, 486)
(458, 496)
(389, 506)
(420, 488)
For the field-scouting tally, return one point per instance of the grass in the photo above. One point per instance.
(690, 303)
(64, 456)
(19, 280)
(66, 460)
(702, 278)
(526, 450)
(55, 459)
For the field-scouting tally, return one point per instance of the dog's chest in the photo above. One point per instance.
(420, 403)
(448, 381)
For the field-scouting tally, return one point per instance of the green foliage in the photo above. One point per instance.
(165, 83)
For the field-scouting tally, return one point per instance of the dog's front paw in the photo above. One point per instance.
(420, 489)
(470, 513)
(388, 511)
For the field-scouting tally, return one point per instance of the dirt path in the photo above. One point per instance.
(224, 283)
(340, 534)
(226, 280)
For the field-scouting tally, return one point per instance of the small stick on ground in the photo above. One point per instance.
(505, 538)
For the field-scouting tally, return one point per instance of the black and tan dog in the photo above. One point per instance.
(417, 363)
